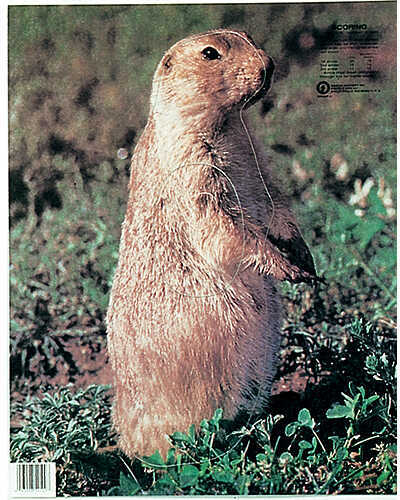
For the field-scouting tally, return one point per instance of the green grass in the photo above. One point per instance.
(337, 434)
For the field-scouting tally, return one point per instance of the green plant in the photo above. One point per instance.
(364, 239)
(211, 463)
(68, 428)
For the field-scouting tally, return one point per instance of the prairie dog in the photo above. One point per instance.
(194, 315)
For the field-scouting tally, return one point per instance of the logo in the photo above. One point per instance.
(350, 27)
(323, 88)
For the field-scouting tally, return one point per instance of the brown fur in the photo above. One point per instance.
(194, 315)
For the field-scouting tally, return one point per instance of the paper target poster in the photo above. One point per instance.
(249, 331)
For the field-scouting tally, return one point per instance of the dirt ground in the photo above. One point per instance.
(94, 368)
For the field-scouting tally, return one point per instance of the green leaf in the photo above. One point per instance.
(385, 259)
(370, 400)
(366, 230)
(223, 476)
(204, 425)
(305, 444)
(204, 467)
(217, 415)
(304, 418)
(216, 418)
(188, 476)
(340, 411)
(242, 484)
(166, 480)
(346, 218)
(171, 457)
(58, 454)
(129, 485)
(341, 454)
(376, 205)
(192, 433)
(383, 477)
(314, 442)
(286, 457)
(155, 460)
(290, 429)
(180, 436)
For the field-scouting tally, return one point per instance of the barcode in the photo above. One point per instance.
(34, 479)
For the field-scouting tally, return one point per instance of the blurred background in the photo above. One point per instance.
(79, 86)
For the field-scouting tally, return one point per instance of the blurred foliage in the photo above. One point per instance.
(80, 80)
(60, 277)
(79, 85)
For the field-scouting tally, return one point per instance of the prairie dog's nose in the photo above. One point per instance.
(268, 62)
(268, 69)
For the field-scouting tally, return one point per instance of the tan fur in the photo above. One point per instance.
(194, 315)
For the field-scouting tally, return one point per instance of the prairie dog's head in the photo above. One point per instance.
(211, 73)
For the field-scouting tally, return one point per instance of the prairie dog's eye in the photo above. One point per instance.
(210, 53)
(167, 62)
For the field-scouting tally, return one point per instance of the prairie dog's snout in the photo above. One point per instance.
(268, 69)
